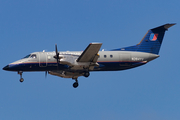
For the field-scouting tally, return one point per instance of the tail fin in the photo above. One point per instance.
(151, 42)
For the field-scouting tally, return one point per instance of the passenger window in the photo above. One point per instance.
(49, 57)
(104, 56)
(33, 56)
(111, 56)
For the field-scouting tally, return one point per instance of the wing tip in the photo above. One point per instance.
(98, 43)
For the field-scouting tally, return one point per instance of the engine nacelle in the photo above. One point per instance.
(77, 65)
(74, 65)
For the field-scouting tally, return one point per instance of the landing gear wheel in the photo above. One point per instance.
(86, 74)
(21, 80)
(75, 85)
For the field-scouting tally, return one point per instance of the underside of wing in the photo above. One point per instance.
(65, 74)
(90, 53)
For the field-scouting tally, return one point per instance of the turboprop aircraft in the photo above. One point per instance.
(77, 63)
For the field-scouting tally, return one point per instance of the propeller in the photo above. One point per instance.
(57, 56)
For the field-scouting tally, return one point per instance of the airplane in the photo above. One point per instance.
(80, 63)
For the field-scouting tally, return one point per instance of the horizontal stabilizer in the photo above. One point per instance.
(168, 25)
(164, 27)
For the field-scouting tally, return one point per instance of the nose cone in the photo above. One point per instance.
(6, 67)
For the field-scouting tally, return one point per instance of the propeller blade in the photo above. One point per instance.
(56, 51)
(57, 56)
(45, 74)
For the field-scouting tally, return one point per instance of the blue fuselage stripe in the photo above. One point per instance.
(103, 66)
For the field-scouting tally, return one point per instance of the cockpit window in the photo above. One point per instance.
(27, 56)
(33, 56)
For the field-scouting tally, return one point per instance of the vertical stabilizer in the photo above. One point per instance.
(151, 42)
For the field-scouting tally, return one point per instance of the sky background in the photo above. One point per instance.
(149, 92)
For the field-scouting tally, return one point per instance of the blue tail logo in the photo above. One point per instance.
(153, 37)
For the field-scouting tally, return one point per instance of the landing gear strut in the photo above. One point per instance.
(21, 79)
(75, 84)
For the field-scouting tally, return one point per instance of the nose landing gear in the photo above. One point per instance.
(21, 79)
(75, 84)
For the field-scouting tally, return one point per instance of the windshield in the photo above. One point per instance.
(27, 56)
(33, 56)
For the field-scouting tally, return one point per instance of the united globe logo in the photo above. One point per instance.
(153, 36)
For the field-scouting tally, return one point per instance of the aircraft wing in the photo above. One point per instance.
(90, 53)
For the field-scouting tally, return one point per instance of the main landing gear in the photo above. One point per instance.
(86, 74)
(75, 84)
(21, 79)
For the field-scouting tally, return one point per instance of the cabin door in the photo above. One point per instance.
(42, 59)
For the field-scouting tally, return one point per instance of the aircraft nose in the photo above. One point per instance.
(6, 67)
